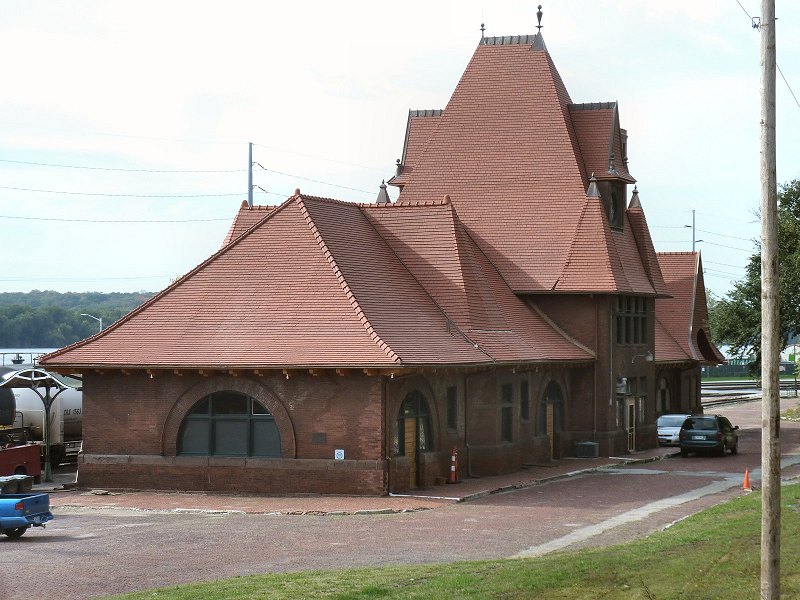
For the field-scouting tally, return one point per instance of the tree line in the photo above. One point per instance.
(736, 318)
(48, 319)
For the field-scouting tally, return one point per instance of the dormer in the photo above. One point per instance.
(604, 149)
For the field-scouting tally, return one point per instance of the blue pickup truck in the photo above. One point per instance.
(21, 511)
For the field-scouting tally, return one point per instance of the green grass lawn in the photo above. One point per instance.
(714, 554)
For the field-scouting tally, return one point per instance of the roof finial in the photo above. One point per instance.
(483, 28)
(539, 18)
(592, 191)
(383, 195)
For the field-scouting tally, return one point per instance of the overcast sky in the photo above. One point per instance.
(122, 92)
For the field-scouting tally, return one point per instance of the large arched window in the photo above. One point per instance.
(229, 424)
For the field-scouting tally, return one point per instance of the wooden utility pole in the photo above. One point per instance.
(770, 318)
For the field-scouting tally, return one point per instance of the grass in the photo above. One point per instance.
(713, 554)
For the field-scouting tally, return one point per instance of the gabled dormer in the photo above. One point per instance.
(604, 149)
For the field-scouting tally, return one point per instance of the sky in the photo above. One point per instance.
(124, 126)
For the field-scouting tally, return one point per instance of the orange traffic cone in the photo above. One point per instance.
(746, 485)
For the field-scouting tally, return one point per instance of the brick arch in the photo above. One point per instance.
(249, 387)
(544, 383)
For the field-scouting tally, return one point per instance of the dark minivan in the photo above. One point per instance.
(708, 433)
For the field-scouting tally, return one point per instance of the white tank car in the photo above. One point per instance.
(65, 413)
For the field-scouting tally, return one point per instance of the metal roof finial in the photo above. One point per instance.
(539, 18)
(483, 28)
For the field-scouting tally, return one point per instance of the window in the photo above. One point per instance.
(229, 424)
(524, 401)
(642, 392)
(631, 317)
(452, 408)
(506, 411)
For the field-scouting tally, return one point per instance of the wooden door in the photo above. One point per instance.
(551, 427)
(410, 426)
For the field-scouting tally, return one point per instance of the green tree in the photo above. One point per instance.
(736, 319)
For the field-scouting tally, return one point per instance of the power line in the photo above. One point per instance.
(344, 187)
(41, 164)
(725, 235)
(110, 220)
(3, 187)
(723, 264)
(756, 24)
(731, 247)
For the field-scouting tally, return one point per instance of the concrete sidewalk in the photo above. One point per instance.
(64, 494)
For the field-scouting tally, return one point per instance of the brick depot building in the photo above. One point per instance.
(510, 304)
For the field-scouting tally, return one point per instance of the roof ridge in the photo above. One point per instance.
(445, 201)
(425, 112)
(593, 105)
(508, 40)
(676, 252)
(354, 303)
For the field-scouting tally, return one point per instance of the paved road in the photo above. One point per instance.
(87, 553)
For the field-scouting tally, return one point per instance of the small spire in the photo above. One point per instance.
(538, 39)
(592, 191)
(483, 29)
(383, 195)
(635, 199)
(399, 168)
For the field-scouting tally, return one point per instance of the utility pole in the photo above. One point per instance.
(770, 338)
(250, 175)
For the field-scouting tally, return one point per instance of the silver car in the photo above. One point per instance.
(669, 426)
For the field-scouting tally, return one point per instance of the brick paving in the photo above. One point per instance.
(64, 494)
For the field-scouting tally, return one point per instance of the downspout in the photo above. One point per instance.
(594, 395)
(466, 425)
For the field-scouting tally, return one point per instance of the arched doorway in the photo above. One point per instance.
(412, 434)
(551, 416)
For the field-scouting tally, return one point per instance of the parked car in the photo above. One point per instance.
(669, 426)
(708, 433)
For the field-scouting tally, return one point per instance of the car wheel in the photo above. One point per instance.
(15, 533)
(735, 449)
(721, 451)
(684, 453)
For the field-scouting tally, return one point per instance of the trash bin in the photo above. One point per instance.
(587, 449)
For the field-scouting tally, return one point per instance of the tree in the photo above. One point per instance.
(736, 319)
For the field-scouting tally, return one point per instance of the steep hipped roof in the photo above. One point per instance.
(600, 138)
(314, 284)
(682, 331)
(419, 128)
(507, 152)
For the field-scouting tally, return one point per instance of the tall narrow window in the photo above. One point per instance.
(452, 408)
(524, 401)
(506, 412)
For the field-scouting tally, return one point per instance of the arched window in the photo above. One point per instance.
(229, 424)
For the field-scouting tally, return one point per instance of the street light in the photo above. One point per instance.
(98, 319)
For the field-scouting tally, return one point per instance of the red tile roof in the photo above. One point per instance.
(597, 128)
(314, 284)
(419, 128)
(507, 152)
(682, 331)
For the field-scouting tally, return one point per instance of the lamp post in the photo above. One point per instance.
(98, 319)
